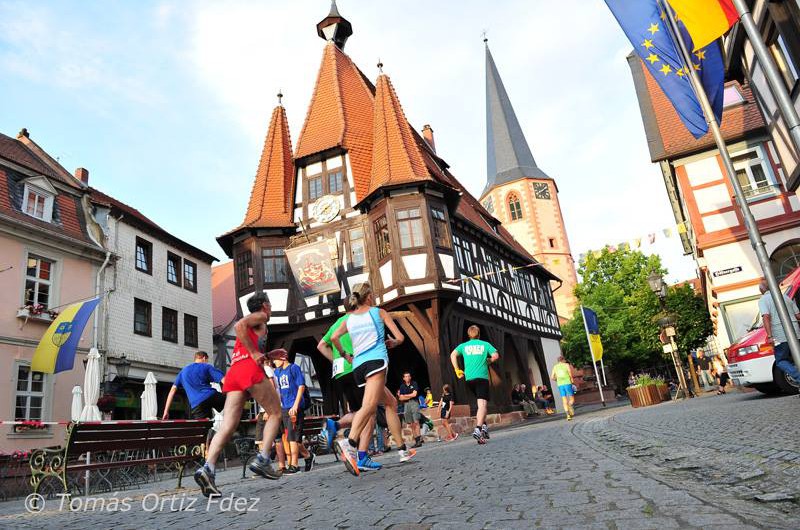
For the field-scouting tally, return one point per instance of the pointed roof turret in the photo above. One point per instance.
(272, 190)
(508, 156)
(396, 155)
(335, 28)
(340, 115)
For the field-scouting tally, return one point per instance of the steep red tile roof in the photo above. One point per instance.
(223, 296)
(737, 121)
(68, 215)
(396, 156)
(134, 217)
(25, 152)
(270, 200)
(340, 115)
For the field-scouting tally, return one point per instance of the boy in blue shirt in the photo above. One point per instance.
(292, 386)
(196, 380)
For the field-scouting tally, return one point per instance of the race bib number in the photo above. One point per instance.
(338, 366)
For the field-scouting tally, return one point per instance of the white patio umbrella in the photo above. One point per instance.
(77, 402)
(91, 388)
(149, 399)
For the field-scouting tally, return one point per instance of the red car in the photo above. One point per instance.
(751, 361)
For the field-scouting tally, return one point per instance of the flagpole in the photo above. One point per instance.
(771, 73)
(747, 215)
(591, 353)
(603, 369)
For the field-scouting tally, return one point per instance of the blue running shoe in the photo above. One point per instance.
(330, 430)
(367, 464)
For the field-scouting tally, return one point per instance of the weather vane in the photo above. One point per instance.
(485, 38)
(380, 65)
(280, 96)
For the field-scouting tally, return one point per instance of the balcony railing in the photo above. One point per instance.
(760, 191)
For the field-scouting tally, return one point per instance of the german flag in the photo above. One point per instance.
(705, 20)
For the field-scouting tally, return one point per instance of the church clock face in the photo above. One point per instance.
(326, 209)
(541, 190)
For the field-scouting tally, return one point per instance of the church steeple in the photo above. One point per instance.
(335, 27)
(508, 156)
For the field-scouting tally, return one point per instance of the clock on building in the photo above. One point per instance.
(326, 208)
(541, 190)
(489, 205)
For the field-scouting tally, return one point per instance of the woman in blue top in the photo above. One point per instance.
(370, 362)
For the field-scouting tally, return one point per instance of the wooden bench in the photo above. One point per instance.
(165, 442)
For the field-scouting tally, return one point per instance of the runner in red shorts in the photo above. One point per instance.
(246, 379)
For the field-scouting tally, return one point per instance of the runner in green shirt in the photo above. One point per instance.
(342, 373)
(562, 375)
(477, 355)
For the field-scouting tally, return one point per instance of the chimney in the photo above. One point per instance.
(82, 174)
(427, 133)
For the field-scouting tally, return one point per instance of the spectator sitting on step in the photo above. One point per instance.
(542, 401)
(527, 400)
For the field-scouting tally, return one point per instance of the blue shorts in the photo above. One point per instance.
(566, 390)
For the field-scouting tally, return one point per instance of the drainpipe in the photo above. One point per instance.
(97, 293)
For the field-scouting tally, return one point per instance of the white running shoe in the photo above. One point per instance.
(349, 455)
(406, 455)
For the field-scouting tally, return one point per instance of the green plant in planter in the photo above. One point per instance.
(646, 380)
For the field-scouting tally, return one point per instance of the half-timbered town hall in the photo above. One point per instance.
(364, 196)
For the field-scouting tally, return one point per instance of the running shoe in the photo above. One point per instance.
(452, 438)
(406, 454)
(349, 455)
(262, 467)
(477, 434)
(329, 430)
(418, 442)
(205, 479)
(310, 461)
(569, 417)
(485, 431)
(291, 470)
(367, 464)
(481, 441)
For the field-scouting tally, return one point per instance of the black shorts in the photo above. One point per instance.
(353, 394)
(203, 409)
(294, 431)
(444, 413)
(479, 387)
(367, 369)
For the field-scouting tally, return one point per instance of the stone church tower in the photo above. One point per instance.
(522, 196)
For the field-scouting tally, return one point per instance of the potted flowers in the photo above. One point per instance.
(106, 404)
(648, 391)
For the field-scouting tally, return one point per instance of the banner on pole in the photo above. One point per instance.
(313, 268)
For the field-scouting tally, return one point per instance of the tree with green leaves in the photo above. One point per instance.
(614, 285)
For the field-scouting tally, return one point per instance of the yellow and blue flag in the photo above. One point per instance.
(593, 333)
(646, 25)
(56, 351)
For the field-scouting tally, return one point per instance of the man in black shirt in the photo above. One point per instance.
(409, 397)
(704, 365)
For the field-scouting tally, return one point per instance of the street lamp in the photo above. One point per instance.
(667, 325)
(123, 366)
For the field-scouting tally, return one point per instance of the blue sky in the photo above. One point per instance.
(167, 103)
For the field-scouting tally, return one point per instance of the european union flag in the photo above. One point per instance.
(647, 27)
(590, 317)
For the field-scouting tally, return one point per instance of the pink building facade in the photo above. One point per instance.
(49, 257)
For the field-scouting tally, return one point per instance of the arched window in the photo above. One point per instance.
(785, 259)
(514, 206)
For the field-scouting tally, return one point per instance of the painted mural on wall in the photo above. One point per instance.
(313, 268)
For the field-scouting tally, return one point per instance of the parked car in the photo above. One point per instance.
(751, 361)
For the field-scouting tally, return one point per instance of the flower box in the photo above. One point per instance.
(646, 395)
(43, 316)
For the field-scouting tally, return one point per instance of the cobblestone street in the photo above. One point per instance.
(730, 461)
